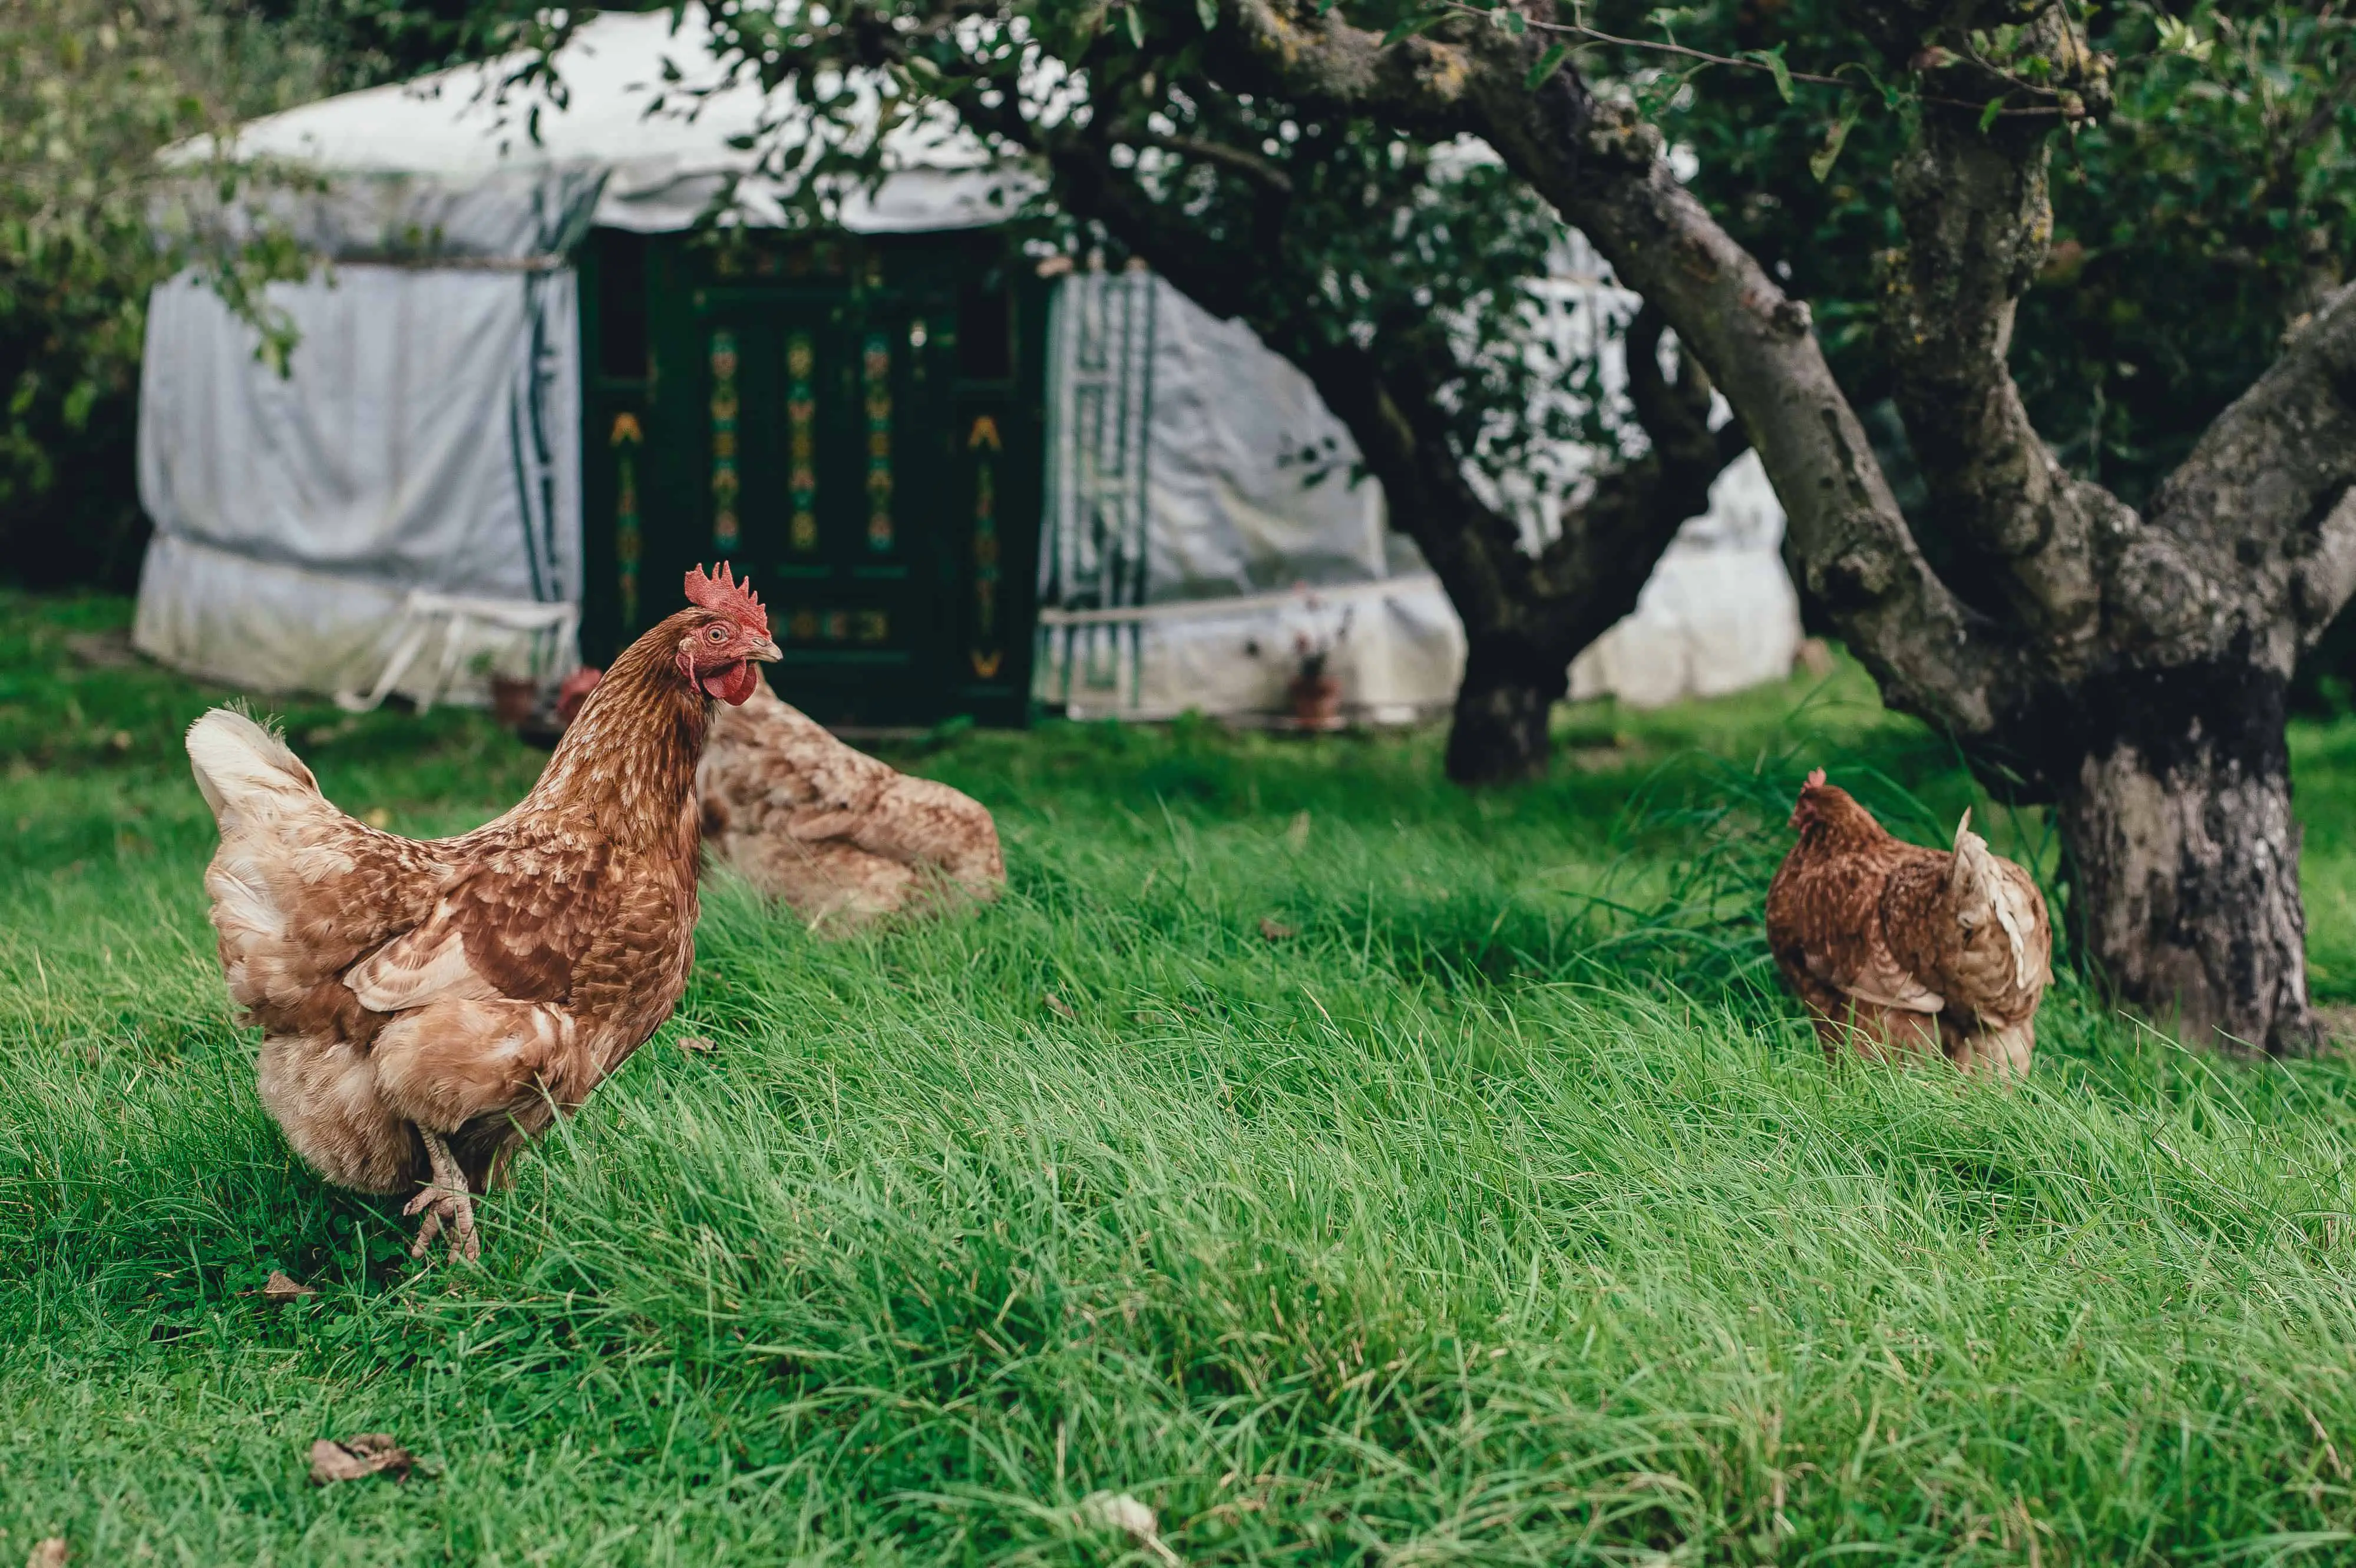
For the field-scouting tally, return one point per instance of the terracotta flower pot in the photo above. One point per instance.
(1317, 701)
(512, 699)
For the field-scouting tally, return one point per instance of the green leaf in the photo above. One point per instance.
(79, 402)
(1136, 24)
(1820, 163)
(2178, 36)
(1773, 60)
(1207, 12)
(1512, 22)
(1988, 115)
(1415, 24)
(1548, 63)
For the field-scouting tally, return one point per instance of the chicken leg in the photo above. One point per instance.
(445, 1200)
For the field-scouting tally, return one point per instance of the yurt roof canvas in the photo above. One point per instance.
(641, 138)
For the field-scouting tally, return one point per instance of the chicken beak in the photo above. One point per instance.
(767, 653)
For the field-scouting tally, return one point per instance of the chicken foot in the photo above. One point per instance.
(445, 1199)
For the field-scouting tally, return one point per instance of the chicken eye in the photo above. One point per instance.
(717, 635)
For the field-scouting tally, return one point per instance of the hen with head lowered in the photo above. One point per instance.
(839, 837)
(1899, 950)
(424, 1005)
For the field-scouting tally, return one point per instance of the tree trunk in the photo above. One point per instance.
(2184, 860)
(1499, 733)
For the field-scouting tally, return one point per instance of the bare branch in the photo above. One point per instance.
(2327, 577)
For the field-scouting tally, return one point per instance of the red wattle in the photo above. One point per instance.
(732, 683)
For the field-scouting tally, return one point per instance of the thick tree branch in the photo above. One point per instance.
(1550, 607)
(2326, 576)
(1978, 218)
(2264, 499)
(1848, 541)
(1977, 223)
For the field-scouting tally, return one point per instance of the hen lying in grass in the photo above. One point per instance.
(425, 1006)
(1899, 950)
(837, 836)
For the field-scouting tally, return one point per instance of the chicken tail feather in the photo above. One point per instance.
(1981, 877)
(240, 765)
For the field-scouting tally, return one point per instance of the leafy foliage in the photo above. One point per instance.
(88, 91)
(364, 42)
(2192, 223)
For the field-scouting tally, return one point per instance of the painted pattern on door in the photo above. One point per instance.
(825, 425)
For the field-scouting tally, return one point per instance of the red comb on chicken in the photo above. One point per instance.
(426, 1005)
(1900, 949)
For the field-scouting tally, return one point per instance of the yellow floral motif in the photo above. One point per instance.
(801, 445)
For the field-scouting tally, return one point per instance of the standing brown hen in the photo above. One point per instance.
(425, 1006)
(1901, 950)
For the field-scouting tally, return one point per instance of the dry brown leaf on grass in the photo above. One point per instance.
(278, 1290)
(354, 1458)
(1276, 930)
(696, 1044)
(1118, 1510)
(49, 1554)
(1060, 1007)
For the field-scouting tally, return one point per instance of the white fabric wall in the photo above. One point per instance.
(428, 437)
(1219, 516)
(1719, 614)
(1230, 515)
(1237, 655)
(1237, 556)
(459, 163)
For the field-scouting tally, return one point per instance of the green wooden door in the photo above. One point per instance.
(826, 430)
(823, 422)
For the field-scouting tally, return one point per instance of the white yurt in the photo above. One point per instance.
(480, 462)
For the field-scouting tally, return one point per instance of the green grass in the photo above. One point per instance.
(1502, 1213)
